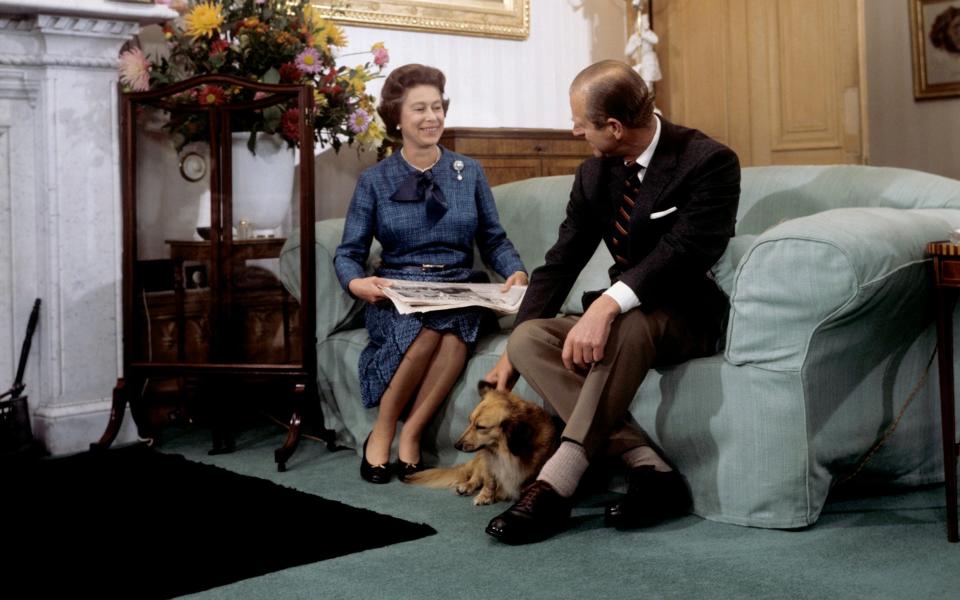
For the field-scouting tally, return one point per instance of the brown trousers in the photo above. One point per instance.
(594, 402)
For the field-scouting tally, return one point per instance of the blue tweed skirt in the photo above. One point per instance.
(392, 333)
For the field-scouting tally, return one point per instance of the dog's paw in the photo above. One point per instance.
(465, 488)
(483, 498)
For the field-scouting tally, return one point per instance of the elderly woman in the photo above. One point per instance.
(427, 206)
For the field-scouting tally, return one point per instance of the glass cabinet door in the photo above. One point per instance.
(214, 206)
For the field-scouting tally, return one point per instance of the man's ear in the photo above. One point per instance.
(616, 128)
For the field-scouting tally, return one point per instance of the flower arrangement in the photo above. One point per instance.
(268, 41)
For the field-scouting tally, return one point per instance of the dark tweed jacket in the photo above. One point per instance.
(669, 255)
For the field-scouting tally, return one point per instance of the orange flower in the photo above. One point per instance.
(211, 94)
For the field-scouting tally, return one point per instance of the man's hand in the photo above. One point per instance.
(502, 375)
(587, 339)
(368, 288)
(518, 278)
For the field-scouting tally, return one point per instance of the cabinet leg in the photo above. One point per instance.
(222, 395)
(117, 409)
(282, 454)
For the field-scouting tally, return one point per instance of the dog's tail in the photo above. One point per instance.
(443, 477)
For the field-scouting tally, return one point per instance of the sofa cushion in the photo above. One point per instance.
(809, 272)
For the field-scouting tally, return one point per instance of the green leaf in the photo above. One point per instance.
(271, 118)
(271, 76)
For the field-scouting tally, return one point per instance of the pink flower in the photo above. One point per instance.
(380, 55)
(358, 121)
(309, 61)
(135, 70)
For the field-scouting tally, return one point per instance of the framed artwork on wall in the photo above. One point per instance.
(508, 19)
(935, 29)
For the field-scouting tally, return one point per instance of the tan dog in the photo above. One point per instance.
(512, 439)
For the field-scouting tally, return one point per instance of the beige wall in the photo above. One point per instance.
(491, 82)
(904, 132)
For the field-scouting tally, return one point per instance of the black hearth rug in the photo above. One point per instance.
(136, 523)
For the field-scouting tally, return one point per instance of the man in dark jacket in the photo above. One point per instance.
(663, 198)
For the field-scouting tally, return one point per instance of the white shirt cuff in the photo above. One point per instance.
(623, 295)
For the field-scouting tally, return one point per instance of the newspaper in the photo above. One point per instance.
(422, 296)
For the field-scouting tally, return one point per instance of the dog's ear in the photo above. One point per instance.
(519, 436)
(484, 386)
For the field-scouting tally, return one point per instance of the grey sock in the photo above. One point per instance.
(565, 468)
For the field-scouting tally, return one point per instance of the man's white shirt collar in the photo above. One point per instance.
(644, 159)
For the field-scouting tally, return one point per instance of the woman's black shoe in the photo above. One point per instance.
(405, 469)
(371, 473)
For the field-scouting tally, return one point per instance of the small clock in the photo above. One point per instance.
(193, 166)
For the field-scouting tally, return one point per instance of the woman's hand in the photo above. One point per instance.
(518, 278)
(368, 288)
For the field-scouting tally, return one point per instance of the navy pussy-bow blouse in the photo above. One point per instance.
(408, 234)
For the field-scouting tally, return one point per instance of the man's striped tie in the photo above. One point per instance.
(621, 220)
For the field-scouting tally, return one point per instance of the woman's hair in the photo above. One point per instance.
(940, 35)
(614, 91)
(395, 90)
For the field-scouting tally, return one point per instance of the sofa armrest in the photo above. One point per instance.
(336, 309)
(839, 268)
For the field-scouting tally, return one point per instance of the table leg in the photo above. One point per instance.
(945, 301)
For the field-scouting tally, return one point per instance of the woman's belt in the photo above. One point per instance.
(423, 268)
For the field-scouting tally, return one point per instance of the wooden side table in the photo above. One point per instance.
(946, 288)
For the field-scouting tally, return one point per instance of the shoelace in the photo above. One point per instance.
(530, 496)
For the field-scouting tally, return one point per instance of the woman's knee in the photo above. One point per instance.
(452, 347)
(424, 345)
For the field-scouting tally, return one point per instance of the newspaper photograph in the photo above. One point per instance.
(423, 296)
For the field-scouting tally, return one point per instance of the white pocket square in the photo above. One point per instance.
(662, 213)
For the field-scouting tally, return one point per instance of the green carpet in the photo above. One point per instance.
(871, 546)
(136, 523)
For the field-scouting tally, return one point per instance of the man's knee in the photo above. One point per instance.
(637, 328)
(527, 340)
(520, 341)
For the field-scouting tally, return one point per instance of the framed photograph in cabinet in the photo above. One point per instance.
(935, 29)
(508, 19)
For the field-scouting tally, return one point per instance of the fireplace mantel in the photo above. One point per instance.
(60, 207)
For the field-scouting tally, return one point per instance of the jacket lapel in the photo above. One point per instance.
(659, 172)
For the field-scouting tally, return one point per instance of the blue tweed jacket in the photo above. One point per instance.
(402, 227)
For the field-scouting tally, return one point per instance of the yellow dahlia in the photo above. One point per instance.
(314, 22)
(358, 82)
(319, 99)
(204, 20)
(334, 35)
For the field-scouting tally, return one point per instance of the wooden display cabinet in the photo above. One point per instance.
(210, 312)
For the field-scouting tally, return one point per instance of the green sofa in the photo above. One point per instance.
(830, 331)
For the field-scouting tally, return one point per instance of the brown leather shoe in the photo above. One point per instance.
(652, 497)
(539, 513)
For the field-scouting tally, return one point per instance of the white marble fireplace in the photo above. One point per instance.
(60, 233)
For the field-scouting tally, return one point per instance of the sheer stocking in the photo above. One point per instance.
(402, 386)
(441, 375)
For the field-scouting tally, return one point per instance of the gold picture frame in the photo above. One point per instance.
(508, 19)
(935, 31)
